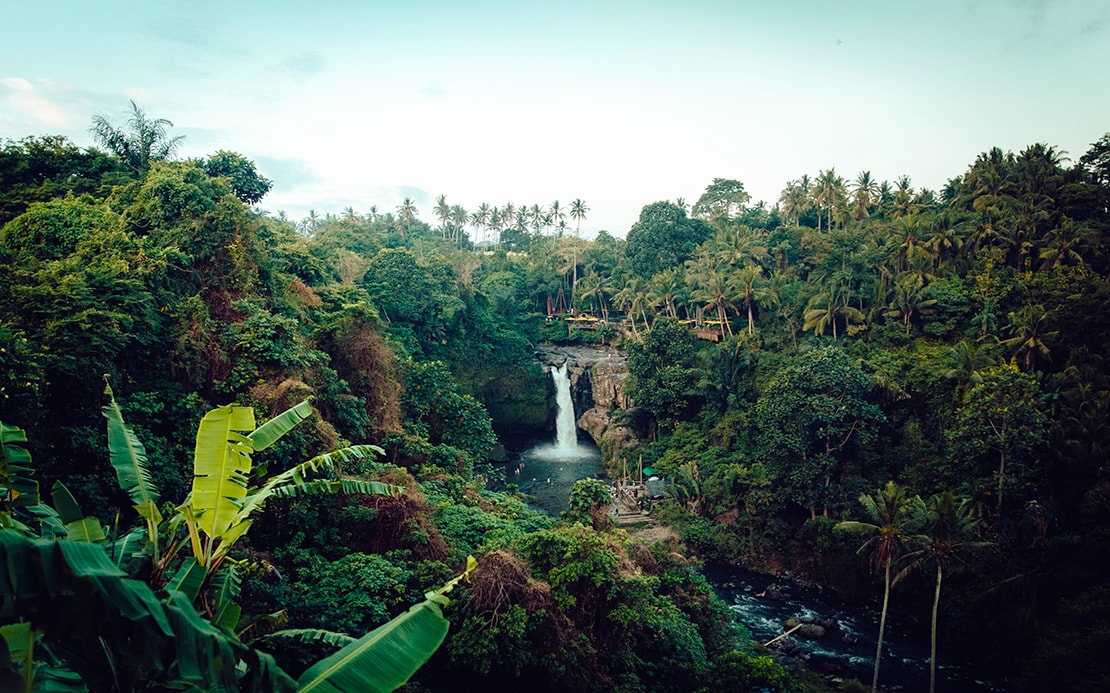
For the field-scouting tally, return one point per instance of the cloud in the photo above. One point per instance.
(287, 173)
(304, 65)
(33, 104)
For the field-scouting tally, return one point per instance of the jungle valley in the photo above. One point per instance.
(245, 452)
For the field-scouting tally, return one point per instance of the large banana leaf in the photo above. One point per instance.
(128, 457)
(71, 592)
(386, 657)
(17, 488)
(221, 466)
(268, 433)
(78, 527)
(383, 659)
(297, 476)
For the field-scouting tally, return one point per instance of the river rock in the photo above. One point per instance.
(809, 631)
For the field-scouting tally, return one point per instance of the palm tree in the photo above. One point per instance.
(892, 518)
(144, 140)
(1027, 327)
(1060, 244)
(556, 213)
(830, 193)
(909, 299)
(459, 218)
(752, 289)
(949, 536)
(666, 289)
(406, 214)
(865, 190)
(578, 211)
(793, 200)
(712, 289)
(442, 211)
(480, 218)
(536, 217)
(826, 308)
(968, 362)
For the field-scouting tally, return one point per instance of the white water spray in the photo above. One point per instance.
(566, 430)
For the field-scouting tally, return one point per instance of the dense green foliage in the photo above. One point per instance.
(790, 360)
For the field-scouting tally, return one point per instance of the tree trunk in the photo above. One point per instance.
(882, 627)
(933, 642)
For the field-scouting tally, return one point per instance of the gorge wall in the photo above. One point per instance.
(602, 409)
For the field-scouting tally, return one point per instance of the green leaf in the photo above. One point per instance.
(77, 526)
(65, 503)
(269, 433)
(86, 529)
(221, 465)
(188, 579)
(386, 657)
(128, 457)
(383, 659)
(17, 488)
(297, 475)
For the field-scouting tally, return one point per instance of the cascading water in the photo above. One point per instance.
(566, 430)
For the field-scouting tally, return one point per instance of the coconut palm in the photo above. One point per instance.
(142, 141)
(909, 299)
(949, 536)
(480, 218)
(752, 289)
(555, 211)
(830, 193)
(578, 210)
(1028, 329)
(406, 213)
(969, 360)
(828, 307)
(892, 518)
(865, 191)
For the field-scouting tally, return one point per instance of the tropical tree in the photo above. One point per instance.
(1001, 415)
(1028, 334)
(556, 214)
(481, 216)
(142, 141)
(969, 361)
(892, 517)
(578, 210)
(722, 201)
(442, 210)
(830, 194)
(827, 308)
(910, 299)
(951, 526)
(865, 191)
(406, 214)
(751, 290)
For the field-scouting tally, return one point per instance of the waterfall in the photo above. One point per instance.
(566, 430)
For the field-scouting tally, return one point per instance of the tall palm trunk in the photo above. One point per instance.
(882, 628)
(933, 641)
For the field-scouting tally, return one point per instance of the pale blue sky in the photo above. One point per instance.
(618, 103)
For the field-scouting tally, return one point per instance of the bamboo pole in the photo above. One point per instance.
(773, 640)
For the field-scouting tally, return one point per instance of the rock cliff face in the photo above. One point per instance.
(603, 411)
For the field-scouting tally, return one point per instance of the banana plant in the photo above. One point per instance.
(221, 506)
(62, 591)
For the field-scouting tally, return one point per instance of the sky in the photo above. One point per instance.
(619, 104)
